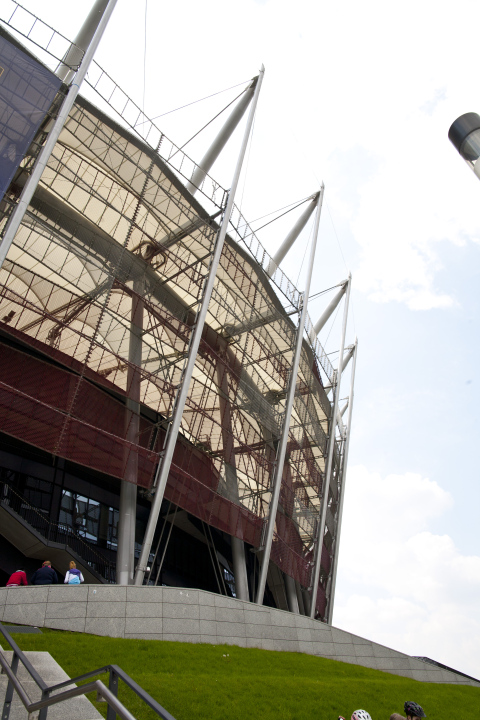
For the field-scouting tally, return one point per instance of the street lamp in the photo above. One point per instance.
(464, 133)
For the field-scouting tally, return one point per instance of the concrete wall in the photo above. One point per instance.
(183, 615)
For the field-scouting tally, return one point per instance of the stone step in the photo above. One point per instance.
(79, 708)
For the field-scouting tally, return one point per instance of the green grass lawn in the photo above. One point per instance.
(225, 682)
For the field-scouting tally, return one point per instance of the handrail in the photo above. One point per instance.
(151, 702)
(26, 663)
(115, 706)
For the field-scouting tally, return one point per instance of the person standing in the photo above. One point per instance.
(73, 576)
(17, 578)
(45, 575)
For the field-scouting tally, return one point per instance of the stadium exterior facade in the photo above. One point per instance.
(167, 412)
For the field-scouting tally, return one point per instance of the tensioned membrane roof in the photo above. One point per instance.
(108, 269)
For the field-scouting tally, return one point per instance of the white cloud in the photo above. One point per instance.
(399, 583)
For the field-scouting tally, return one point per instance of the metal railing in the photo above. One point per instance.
(134, 117)
(29, 26)
(56, 532)
(110, 694)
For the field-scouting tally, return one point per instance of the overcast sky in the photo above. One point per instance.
(361, 96)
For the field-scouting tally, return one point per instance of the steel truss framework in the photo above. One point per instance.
(113, 246)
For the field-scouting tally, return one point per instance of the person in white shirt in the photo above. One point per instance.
(73, 576)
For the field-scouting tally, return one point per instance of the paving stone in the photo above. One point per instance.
(357, 640)
(67, 593)
(344, 649)
(226, 602)
(108, 626)
(66, 610)
(206, 598)
(363, 650)
(230, 629)
(107, 593)
(284, 633)
(282, 619)
(304, 622)
(143, 625)
(254, 617)
(31, 614)
(320, 648)
(33, 594)
(149, 609)
(426, 676)
(71, 624)
(179, 610)
(144, 594)
(304, 634)
(181, 627)
(340, 636)
(381, 651)
(226, 614)
(207, 612)
(176, 595)
(102, 609)
(263, 632)
(208, 627)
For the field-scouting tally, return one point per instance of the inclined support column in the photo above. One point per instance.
(74, 54)
(291, 593)
(127, 512)
(330, 308)
(292, 236)
(180, 400)
(301, 606)
(342, 489)
(282, 448)
(222, 138)
(328, 469)
(238, 546)
(44, 155)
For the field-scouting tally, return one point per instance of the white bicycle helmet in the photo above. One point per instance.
(361, 715)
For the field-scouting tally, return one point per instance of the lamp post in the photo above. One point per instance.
(464, 133)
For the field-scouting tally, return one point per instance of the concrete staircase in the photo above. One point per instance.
(78, 708)
(32, 544)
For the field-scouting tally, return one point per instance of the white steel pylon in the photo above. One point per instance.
(222, 138)
(282, 447)
(331, 307)
(292, 235)
(329, 464)
(342, 488)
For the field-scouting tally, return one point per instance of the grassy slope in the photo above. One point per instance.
(225, 682)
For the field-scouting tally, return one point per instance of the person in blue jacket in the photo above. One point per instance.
(45, 575)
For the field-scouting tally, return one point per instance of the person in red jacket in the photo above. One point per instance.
(17, 578)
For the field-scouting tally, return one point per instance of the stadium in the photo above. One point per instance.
(168, 413)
